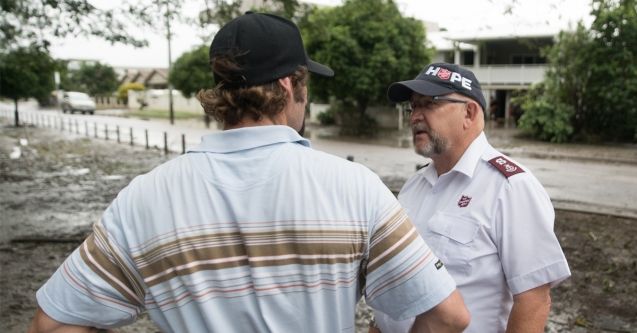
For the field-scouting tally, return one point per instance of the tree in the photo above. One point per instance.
(95, 79)
(122, 91)
(32, 22)
(24, 73)
(611, 94)
(223, 11)
(591, 81)
(552, 107)
(368, 43)
(191, 72)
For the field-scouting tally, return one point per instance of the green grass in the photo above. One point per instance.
(162, 114)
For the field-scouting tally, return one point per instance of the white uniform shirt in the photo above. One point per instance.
(492, 229)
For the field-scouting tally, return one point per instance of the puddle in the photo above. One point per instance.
(113, 177)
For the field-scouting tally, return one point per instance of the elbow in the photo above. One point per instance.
(459, 317)
(461, 320)
(450, 316)
(457, 320)
(466, 320)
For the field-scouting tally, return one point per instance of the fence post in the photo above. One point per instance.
(61, 124)
(86, 127)
(77, 127)
(117, 131)
(183, 143)
(131, 136)
(146, 135)
(106, 132)
(95, 128)
(165, 143)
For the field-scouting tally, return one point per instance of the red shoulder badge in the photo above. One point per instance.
(506, 167)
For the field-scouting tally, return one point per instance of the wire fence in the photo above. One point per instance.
(173, 143)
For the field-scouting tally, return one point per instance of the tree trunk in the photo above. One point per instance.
(15, 113)
(361, 105)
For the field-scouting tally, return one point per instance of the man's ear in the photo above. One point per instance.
(286, 83)
(472, 112)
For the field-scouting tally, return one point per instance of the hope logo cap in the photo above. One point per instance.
(436, 80)
(266, 47)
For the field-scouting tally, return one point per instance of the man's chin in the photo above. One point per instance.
(421, 140)
(423, 151)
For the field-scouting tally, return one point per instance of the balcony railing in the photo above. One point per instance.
(522, 75)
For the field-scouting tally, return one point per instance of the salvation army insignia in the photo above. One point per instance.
(464, 201)
(444, 74)
(505, 166)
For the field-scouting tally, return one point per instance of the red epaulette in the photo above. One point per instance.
(506, 167)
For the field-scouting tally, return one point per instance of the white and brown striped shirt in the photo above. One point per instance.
(253, 231)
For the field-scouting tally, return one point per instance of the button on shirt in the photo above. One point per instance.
(252, 231)
(494, 234)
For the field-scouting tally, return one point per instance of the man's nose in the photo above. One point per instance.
(415, 117)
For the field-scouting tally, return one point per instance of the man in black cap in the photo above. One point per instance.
(253, 230)
(487, 217)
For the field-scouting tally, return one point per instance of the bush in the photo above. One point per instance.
(544, 117)
(352, 121)
(327, 118)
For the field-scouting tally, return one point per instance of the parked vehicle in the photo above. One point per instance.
(77, 101)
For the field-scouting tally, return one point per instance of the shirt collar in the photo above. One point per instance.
(467, 163)
(469, 160)
(247, 138)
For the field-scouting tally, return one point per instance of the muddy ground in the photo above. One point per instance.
(59, 185)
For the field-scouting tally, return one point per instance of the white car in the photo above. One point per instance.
(77, 101)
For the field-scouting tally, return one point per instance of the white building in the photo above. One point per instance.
(504, 62)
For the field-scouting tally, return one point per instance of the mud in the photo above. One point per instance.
(59, 185)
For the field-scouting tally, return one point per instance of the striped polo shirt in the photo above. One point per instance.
(252, 231)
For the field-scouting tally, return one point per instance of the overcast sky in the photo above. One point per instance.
(454, 15)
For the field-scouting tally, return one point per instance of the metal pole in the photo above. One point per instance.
(95, 128)
(183, 143)
(146, 135)
(165, 143)
(15, 113)
(77, 127)
(62, 124)
(117, 131)
(131, 136)
(86, 127)
(170, 62)
(106, 132)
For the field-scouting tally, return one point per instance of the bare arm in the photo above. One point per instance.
(530, 310)
(42, 323)
(450, 316)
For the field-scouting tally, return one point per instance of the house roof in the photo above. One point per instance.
(490, 33)
(441, 41)
(146, 76)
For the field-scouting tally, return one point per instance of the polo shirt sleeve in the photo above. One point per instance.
(528, 247)
(404, 278)
(95, 286)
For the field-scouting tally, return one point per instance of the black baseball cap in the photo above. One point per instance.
(439, 79)
(267, 47)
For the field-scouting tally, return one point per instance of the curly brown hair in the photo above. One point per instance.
(230, 105)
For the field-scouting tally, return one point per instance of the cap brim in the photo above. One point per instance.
(401, 91)
(320, 69)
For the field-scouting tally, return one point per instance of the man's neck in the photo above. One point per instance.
(250, 122)
(446, 161)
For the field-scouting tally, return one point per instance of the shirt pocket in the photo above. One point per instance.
(456, 238)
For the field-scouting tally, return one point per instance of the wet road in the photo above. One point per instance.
(600, 186)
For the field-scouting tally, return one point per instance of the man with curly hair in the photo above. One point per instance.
(253, 230)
